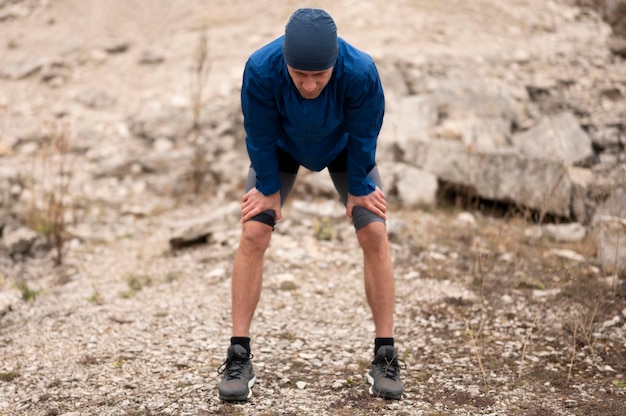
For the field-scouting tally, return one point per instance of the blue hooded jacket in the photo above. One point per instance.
(349, 112)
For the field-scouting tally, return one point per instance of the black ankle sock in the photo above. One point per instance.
(243, 341)
(379, 342)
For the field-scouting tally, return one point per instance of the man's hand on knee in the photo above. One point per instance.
(254, 203)
(374, 202)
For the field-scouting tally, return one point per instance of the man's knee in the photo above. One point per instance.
(255, 235)
(373, 235)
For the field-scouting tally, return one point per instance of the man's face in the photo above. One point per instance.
(310, 83)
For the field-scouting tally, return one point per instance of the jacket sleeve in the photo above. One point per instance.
(262, 129)
(365, 107)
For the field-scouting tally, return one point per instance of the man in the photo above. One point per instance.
(311, 99)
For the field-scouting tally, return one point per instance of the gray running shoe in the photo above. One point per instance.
(238, 375)
(384, 377)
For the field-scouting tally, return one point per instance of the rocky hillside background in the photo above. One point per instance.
(122, 161)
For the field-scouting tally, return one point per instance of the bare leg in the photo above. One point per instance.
(379, 281)
(248, 275)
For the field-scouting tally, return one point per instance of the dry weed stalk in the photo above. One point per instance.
(616, 263)
(571, 361)
(586, 329)
(527, 341)
(474, 335)
(525, 346)
(615, 280)
(51, 190)
(199, 77)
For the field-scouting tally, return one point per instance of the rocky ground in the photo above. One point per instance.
(493, 317)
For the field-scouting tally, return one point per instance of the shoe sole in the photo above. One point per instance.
(241, 398)
(370, 380)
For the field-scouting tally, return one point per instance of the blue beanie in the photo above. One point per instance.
(310, 42)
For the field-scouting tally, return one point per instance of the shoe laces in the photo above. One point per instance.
(391, 367)
(234, 366)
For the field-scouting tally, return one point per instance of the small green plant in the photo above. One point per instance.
(138, 282)
(28, 294)
(96, 297)
(183, 384)
(323, 229)
(135, 284)
(119, 363)
(172, 277)
(364, 364)
(620, 384)
(287, 335)
(127, 294)
(9, 376)
(288, 285)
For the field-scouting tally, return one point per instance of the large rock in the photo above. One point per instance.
(417, 188)
(488, 98)
(412, 186)
(156, 120)
(502, 175)
(478, 113)
(582, 189)
(413, 119)
(200, 230)
(609, 228)
(571, 233)
(615, 204)
(481, 133)
(615, 14)
(610, 235)
(22, 69)
(558, 138)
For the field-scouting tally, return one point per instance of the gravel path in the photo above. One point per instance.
(139, 329)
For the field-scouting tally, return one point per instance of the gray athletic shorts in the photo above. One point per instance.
(338, 170)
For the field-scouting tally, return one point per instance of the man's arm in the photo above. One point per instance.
(262, 129)
(364, 109)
